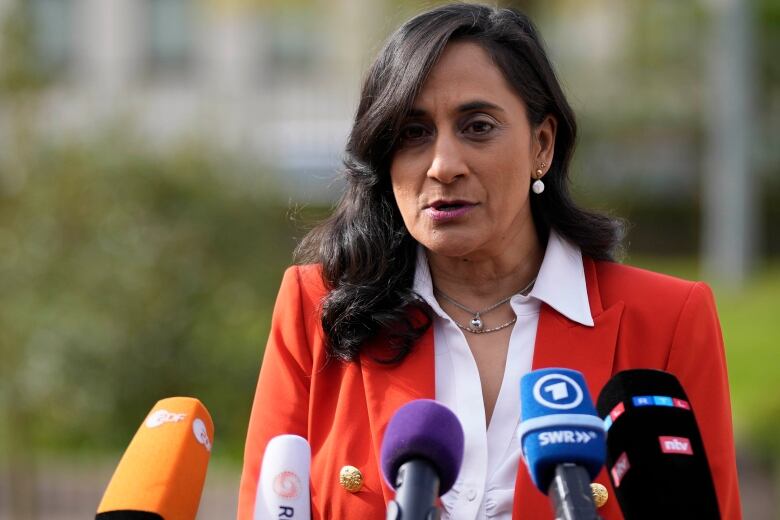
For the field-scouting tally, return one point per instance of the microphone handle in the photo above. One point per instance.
(417, 486)
(570, 493)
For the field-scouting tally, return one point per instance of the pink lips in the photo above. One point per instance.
(444, 211)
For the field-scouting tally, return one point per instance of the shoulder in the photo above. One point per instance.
(647, 294)
(304, 283)
(616, 279)
(297, 311)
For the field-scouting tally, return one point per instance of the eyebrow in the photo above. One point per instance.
(465, 107)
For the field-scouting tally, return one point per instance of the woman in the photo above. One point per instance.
(456, 262)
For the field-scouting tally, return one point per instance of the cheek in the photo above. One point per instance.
(511, 193)
(405, 191)
(406, 201)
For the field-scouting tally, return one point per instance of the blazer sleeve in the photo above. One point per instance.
(698, 359)
(282, 397)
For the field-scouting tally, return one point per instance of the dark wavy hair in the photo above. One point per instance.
(367, 255)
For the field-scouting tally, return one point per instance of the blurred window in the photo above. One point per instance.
(170, 36)
(52, 35)
(295, 47)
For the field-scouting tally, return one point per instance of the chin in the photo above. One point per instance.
(449, 246)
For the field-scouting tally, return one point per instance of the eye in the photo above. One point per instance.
(479, 127)
(414, 132)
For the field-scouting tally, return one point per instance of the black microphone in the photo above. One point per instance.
(655, 453)
(422, 451)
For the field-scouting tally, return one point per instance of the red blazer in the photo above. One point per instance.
(642, 320)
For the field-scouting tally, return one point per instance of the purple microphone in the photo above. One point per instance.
(422, 451)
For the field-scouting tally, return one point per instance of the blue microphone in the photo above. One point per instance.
(563, 439)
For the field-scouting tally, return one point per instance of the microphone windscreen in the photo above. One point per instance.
(558, 424)
(424, 429)
(162, 472)
(655, 453)
(283, 487)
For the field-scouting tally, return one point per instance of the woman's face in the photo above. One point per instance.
(461, 171)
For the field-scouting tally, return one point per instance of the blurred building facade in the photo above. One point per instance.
(278, 81)
(274, 82)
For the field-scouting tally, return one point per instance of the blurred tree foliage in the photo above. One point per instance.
(126, 277)
(19, 73)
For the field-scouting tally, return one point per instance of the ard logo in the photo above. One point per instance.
(558, 391)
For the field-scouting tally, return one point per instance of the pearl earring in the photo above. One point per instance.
(538, 185)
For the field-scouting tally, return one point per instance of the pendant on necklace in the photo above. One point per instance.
(476, 322)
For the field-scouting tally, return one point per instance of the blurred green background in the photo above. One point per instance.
(159, 160)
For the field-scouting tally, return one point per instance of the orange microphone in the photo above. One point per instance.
(162, 472)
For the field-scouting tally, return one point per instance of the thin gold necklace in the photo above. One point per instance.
(477, 325)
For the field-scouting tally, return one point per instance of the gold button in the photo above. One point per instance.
(600, 494)
(351, 479)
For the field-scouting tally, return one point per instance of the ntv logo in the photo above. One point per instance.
(557, 391)
(679, 445)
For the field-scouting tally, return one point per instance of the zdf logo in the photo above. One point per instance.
(558, 391)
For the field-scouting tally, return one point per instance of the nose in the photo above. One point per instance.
(448, 163)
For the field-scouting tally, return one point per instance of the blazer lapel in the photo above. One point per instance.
(388, 387)
(561, 342)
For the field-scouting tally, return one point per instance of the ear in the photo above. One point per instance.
(544, 143)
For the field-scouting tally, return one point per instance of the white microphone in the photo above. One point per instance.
(283, 487)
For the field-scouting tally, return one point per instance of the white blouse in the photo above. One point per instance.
(486, 483)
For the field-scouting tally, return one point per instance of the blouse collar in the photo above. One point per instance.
(560, 282)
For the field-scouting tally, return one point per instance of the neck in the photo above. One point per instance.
(482, 278)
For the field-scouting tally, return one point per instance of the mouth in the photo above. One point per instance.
(449, 205)
(445, 210)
